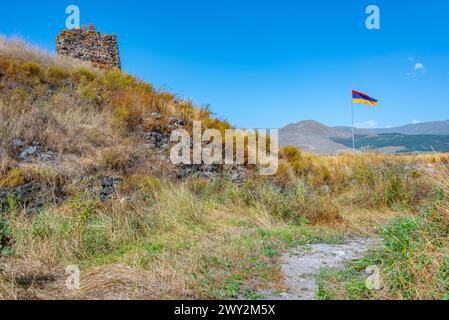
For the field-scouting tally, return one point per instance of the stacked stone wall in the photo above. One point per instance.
(92, 46)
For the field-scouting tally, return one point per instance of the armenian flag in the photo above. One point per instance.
(358, 97)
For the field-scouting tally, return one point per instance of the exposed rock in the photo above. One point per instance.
(69, 83)
(156, 115)
(18, 143)
(46, 156)
(301, 266)
(35, 151)
(108, 187)
(29, 151)
(28, 196)
(176, 122)
(237, 173)
(210, 172)
(157, 140)
(325, 189)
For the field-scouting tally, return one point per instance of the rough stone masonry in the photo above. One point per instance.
(99, 49)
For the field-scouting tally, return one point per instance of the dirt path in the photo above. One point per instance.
(301, 266)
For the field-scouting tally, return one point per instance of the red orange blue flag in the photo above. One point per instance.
(358, 97)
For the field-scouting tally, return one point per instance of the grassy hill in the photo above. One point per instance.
(85, 180)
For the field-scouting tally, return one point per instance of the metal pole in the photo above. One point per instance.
(353, 138)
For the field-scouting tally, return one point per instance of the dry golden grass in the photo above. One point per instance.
(18, 49)
(177, 241)
(132, 250)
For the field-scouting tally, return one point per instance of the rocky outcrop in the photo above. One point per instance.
(213, 172)
(209, 172)
(157, 140)
(28, 196)
(99, 49)
(108, 187)
(33, 151)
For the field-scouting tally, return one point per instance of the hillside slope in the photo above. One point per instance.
(80, 121)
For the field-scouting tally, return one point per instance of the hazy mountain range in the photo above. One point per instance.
(315, 137)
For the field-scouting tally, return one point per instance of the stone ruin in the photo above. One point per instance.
(92, 46)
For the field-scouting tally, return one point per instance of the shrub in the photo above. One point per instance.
(31, 69)
(88, 92)
(290, 153)
(139, 182)
(117, 80)
(304, 165)
(284, 174)
(114, 158)
(198, 186)
(84, 74)
(55, 74)
(12, 179)
(165, 97)
(389, 183)
(128, 109)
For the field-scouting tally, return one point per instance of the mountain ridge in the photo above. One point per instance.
(313, 136)
(422, 128)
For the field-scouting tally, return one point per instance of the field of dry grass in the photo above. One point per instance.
(159, 237)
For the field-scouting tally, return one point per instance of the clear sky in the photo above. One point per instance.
(271, 63)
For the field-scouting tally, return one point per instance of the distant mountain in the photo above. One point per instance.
(423, 128)
(315, 137)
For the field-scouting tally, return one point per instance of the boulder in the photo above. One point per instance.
(157, 140)
(108, 187)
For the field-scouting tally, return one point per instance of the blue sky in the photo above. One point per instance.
(271, 63)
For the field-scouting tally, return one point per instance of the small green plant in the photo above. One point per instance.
(231, 287)
(83, 208)
(414, 266)
(349, 283)
(325, 289)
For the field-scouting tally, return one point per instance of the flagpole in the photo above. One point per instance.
(353, 138)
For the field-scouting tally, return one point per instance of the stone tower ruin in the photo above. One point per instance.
(92, 46)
